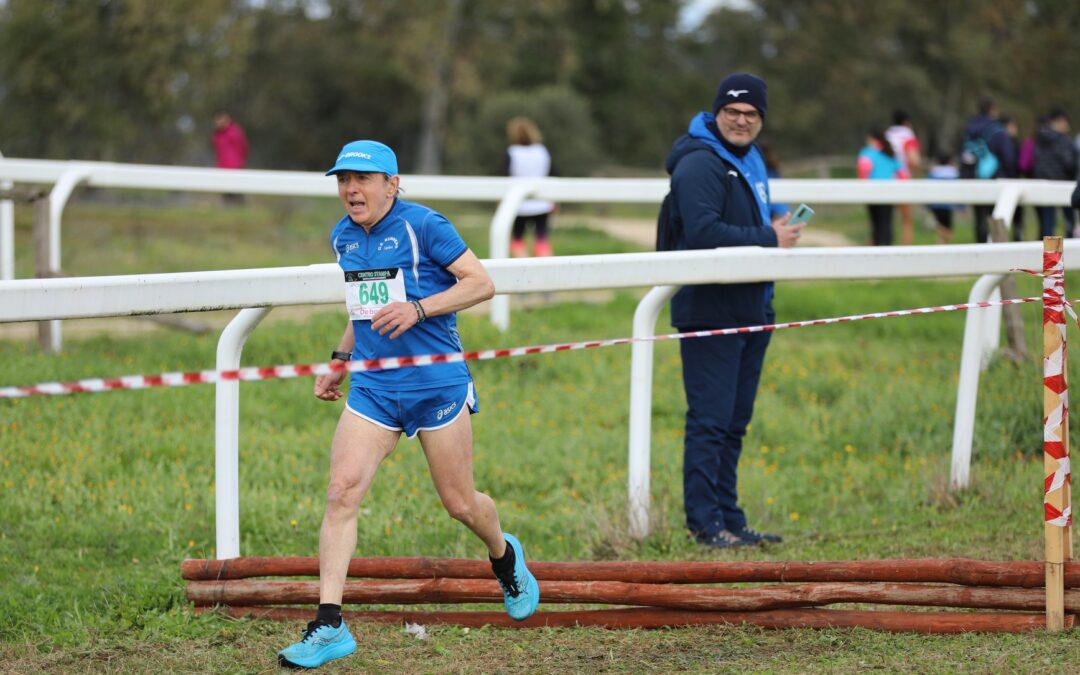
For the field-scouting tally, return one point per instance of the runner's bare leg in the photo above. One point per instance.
(449, 455)
(358, 448)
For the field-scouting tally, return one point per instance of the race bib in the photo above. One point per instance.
(368, 291)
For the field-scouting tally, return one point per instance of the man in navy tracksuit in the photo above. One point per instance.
(720, 197)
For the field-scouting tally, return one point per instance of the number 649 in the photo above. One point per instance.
(375, 293)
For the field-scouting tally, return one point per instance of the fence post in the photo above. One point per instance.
(499, 243)
(973, 359)
(1011, 315)
(48, 337)
(7, 233)
(227, 432)
(58, 199)
(641, 376)
(1056, 502)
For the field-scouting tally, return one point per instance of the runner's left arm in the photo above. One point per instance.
(474, 285)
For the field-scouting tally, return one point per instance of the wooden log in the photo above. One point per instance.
(254, 592)
(1025, 574)
(892, 621)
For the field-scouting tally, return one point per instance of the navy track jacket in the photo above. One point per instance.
(720, 200)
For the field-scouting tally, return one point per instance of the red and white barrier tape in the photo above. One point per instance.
(1056, 423)
(178, 379)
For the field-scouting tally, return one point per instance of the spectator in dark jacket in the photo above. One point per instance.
(1055, 159)
(1010, 168)
(720, 197)
(985, 125)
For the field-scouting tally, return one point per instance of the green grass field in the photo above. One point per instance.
(102, 496)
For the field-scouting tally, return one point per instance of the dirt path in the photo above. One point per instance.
(643, 232)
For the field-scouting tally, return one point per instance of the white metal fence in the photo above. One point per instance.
(7, 232)
(66, 176)
(256, 291)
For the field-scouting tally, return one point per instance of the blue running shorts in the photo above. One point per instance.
(413, 411)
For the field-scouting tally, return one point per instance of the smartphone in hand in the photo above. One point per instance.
(802, 214)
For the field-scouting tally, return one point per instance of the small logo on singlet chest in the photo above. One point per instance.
(388, 244)
(352, 247)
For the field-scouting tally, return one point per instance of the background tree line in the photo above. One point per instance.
(611, 82)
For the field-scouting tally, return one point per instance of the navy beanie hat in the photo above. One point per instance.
(742, 88)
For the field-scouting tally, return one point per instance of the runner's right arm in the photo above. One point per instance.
(328, 387)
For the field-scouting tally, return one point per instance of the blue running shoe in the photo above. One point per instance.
(521, 593)
(321, 643)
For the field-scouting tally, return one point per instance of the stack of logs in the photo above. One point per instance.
(655, 594)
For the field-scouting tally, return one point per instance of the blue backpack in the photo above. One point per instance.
(976, 158)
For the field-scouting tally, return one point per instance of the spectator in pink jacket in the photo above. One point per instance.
(230, 142)
(230, 148)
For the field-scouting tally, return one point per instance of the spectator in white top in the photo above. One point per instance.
(906, 149)
(528, 158)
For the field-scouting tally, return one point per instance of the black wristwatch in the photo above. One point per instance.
(340, 356)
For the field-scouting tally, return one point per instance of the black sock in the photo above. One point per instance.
(329, 614)
(505, 564)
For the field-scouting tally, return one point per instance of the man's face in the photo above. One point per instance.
(1060, 125)
(739, 123)
(366, 195)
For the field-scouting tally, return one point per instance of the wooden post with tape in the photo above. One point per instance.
(1056, 501)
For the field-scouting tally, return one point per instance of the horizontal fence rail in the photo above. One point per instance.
(129, 295)
(493, 188)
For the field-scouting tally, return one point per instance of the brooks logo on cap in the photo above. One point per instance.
(736, 92)
(365, 156)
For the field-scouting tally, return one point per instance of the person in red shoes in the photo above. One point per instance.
(527, 157)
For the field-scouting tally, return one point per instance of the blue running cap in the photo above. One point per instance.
(367, 156)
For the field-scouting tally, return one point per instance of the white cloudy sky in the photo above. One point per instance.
(696, 10)
(693, 11)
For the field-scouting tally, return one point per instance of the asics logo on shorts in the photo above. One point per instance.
(446, 411)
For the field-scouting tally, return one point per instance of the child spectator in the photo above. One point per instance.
(943, 169)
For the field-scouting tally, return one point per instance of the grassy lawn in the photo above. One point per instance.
(102, 496)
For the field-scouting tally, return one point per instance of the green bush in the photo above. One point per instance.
(478, 143)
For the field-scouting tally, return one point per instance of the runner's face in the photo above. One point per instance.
(367, 196)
